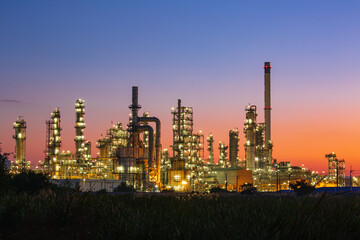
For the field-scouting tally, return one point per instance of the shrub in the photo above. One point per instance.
(218, 190)
(248, 188)
(29, 182)
(124, 188)
(301, 187)
(4, 174)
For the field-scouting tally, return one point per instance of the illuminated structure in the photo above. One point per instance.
(250, 135)
(187, 164)
(336, 171)
(54, 145)
(79, 129)
(210, 141)
(20, 146)
(133, 153)
(234, 147)
(223, 159)
(258, 151)
(136, 163)
(128, 154)
(115, 138)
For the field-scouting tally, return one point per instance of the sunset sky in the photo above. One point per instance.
(208, 53)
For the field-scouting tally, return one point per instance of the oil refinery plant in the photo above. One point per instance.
(133, 154)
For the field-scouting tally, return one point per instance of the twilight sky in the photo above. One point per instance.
(208, 53)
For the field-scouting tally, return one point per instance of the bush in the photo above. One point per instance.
(302, 187)
(168, 190)
(218, 190)
(248, 188)
(101, 191)
(29, 182)
(4, 174)
(124, 188)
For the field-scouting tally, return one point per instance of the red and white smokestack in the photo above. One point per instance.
(267, 68)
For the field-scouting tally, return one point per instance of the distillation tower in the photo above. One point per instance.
(79, 130)
(20, 147)
(54, 144)
(234, 147)
(210, 141)
(250, 135)
(223, 159)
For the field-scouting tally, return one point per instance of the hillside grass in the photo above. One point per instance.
(75, 215)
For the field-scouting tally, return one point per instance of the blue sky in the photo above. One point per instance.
(209, 53)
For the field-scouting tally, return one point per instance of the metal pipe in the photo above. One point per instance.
(151, 141)
(157, 136)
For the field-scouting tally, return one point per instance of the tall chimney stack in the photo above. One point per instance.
(134, 106)
(267, 68)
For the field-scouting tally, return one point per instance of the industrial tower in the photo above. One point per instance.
(55, 144)
(223, 159)
(336, 170)
(188, 151)
(234, 147)
(79, 129)
(20, 147)
(250, 135)
(268, 142)
(210, 141)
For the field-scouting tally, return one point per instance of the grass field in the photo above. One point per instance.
(73, 215)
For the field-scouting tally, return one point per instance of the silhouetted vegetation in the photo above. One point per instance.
(101, 191)
(4, 175)
(63, 212)
(124, 188)
(170, 190)
(74, 215)
(301, 187)
(248, 188)
(218, 190)
(29, 182)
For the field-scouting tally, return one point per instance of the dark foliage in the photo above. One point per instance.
(218, 190)
(170, 190)
(248, 188)
(60, 215)
(29, 182)
(124, 188)
(4, 175)
(101, 191)
(301, 187)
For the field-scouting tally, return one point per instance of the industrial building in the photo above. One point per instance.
(336, 170)
(134, 154)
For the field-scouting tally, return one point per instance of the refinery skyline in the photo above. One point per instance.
(214, 66)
